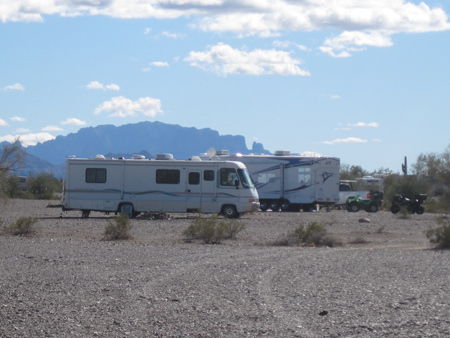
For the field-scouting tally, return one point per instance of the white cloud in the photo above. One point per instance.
(16, 86)
(346, 140)
(159, 64)
(74, 122)
(222, 59)
(122, 107)
(3, 123)
(53, 128)
(101, 86)
(363, 23)
(18, 119)
(364, 124)
(335, 97)
(28, 139)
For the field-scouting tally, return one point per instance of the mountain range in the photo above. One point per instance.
(144, 138)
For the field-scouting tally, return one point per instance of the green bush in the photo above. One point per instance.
(43, 186)
(22, 227)
(118, 229)
(440, 236)
(313, 234)
(213, 230)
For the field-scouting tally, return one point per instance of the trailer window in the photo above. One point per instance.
(228, 177)
(95, 175)
(167, 176)
(304, 175)
(194, 178)
(264, 178)
(208, 175)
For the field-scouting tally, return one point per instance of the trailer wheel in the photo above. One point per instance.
(127, 209)
(229, 211)
(85, 213)
(275, 206)
(285, 205)
(263, 205)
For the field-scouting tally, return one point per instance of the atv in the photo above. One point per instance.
(371, 205)
(413, 205)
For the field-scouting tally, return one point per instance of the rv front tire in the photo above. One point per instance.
(229, 211)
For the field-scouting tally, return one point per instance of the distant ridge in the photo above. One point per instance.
(143, 137)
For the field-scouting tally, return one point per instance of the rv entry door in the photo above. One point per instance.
(193, 191)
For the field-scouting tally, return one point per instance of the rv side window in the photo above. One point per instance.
(304, 175)
(208, 175)
(264, 178)
(95, 175)
(167, 176)
(228, 177)
(194, 178)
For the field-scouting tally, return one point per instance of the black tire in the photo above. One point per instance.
(229, 211)
(373, 207)
(263, 205)
(420, 210)
(285, 205)
(395, 209)
(275, 206)
(85, 213)
(353, 207)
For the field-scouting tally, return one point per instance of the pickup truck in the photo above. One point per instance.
(346, 192)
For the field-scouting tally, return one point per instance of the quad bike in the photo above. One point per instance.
(413, 205)
(372, 205)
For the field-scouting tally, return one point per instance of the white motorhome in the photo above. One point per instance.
(163, 184)
(289, 182)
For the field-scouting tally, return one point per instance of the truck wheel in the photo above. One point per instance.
(263, 205)
(353, 207)
(373, 207)
(229, 211)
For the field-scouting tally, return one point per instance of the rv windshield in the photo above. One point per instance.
(245, 178)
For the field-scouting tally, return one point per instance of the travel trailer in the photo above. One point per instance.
(289, 182)
(136, 185)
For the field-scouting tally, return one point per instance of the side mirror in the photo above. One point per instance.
(236, 184)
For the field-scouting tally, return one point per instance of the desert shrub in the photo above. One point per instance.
(440, 236)
(359, 240)
(118, 229)
(43, 186)
(213, 230)
(22, 227)
(313, 234)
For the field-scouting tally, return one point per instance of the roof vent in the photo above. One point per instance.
(99, 157)
(138, 157)
(222, 152)
(282, 153)
(164, 157)
(195, 158)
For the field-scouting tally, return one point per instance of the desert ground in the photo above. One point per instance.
(64, 280)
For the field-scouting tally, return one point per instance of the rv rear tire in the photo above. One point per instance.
(229, 211)
(127, 209)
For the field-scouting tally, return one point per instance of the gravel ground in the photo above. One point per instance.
(65, 281)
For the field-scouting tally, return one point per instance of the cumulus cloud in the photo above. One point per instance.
(3, 123)
(28, 139)
(368, 23)
(18, 119)
(346, 140)
(16, 86)
(101, 86)
(122, 107)
(52, 128)
(223, 60)
(74, 122)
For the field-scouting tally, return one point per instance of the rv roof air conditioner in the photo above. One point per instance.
(222, 152)
(282, 153)
(138, 157)
(164, 157)
(99, 157)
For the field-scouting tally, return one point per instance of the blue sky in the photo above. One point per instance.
(365, 81)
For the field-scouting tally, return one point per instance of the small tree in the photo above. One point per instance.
(12, 156)
(43, 186)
